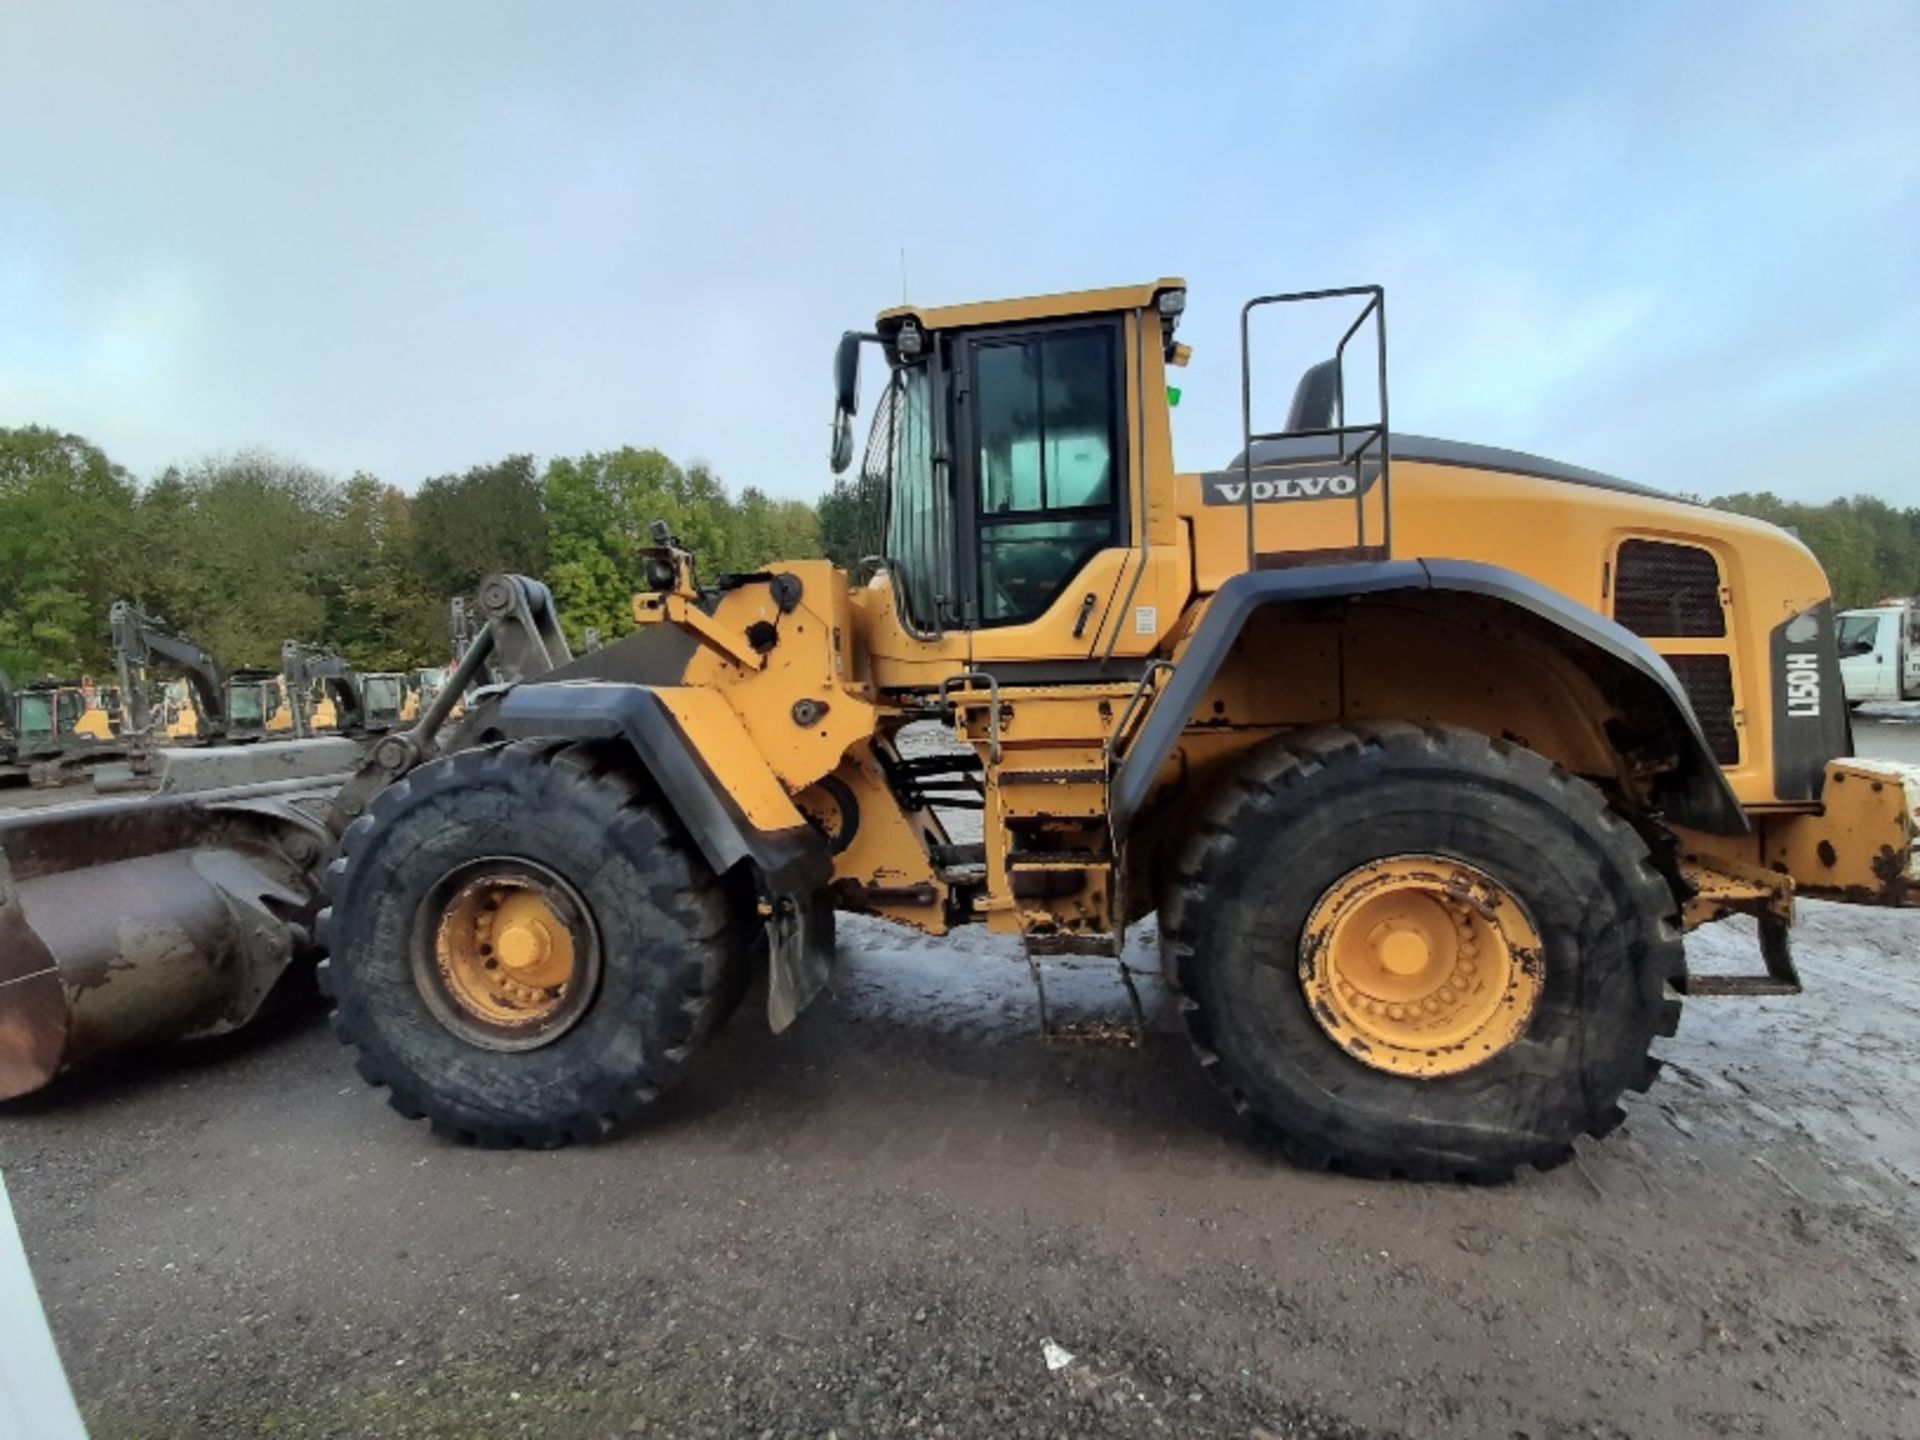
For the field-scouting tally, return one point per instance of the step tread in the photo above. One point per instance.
(1058, 859)
(1053, 777)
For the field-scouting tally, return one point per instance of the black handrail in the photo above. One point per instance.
(1379, 433)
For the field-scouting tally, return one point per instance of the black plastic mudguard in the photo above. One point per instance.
(1696, 793)
(792, 866)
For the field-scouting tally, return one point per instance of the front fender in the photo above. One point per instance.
(694, 748)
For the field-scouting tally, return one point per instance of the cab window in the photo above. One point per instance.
(1046, 464)
(918, 540)
(36, 715)
(1858, 634)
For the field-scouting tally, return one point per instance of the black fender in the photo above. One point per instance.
(1696, 793)
(793, 865)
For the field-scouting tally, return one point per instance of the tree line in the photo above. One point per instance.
(243, 552)
(1869, 549)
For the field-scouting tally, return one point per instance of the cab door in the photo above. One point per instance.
(1869, 642)
(1041, 471)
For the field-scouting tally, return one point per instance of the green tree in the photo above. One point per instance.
(239, 553)
(848, 524)
(601, 509)
(1869, 550)
(469, 526)
(67, 539)
(591, 548)
(379, 613)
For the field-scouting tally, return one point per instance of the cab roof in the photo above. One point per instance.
(1035, 307)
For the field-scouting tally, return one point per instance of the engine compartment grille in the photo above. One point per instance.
(1708, 681)
(1668, 591)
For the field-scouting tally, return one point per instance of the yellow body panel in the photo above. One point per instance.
(886, 866)
(813, 665)
(1862, 846)
(738, 765)
(1034, 307)
(179, 712)
(1565, 536)
(94, 723)
(809, 707)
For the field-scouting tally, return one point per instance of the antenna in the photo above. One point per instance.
(903, 275)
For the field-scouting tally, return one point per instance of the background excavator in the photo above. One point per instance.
(1426, 754)
(53, 730)
(141, 642)
(325, 694)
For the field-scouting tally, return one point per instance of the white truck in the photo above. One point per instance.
(1880, 652)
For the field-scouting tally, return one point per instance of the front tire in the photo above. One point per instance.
(523, 946)
(1483, 850)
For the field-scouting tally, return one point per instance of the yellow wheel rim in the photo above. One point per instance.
(510, 957)
(1420, 965)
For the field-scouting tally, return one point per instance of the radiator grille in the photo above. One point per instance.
(1670, 591)
(1708, 680)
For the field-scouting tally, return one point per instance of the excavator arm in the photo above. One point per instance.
(138, 640)
(301, 666)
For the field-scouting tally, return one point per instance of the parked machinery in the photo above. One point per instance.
(1880, 652)
(1426, 753)
(197, 710)
(324, 692)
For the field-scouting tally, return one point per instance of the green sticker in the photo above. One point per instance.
(1173, 395)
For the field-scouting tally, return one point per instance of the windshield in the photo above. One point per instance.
(1857, 633)
(383, 695)
(244, 701)
(36, 715)
(918, 537)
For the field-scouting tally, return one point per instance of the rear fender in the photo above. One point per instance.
(1695, 793)
(694, 747)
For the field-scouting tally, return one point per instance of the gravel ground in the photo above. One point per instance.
(876, 1224)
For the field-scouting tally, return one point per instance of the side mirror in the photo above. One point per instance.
(846, 374)
(842, 443)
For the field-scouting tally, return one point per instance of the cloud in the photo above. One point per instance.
(411, 239)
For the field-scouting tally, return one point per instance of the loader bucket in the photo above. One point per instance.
(133, 922)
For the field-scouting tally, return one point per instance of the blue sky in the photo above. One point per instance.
(1678, 242)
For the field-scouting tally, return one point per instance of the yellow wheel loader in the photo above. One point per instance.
(1426, 753)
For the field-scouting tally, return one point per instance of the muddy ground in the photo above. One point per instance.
(874, 1224)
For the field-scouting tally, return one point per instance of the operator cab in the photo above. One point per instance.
(999, 449)
(1014, 446)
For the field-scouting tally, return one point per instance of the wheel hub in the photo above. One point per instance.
(1421, 965)
(508, 957)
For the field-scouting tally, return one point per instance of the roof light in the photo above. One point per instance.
(909, 340)
(1171, 302)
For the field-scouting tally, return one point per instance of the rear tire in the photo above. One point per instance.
(1308, 812)
(664, 951)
